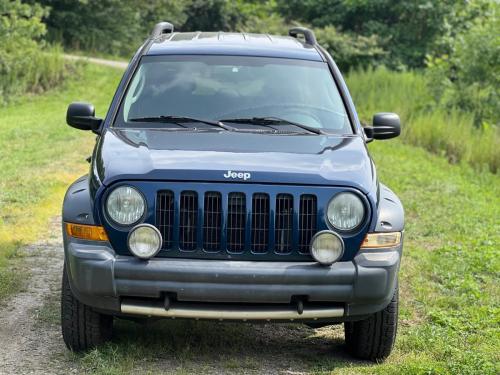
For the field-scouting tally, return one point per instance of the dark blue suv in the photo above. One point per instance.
(231, 181)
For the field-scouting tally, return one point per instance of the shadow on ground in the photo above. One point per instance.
(213, 347)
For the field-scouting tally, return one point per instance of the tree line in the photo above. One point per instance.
(456, 42)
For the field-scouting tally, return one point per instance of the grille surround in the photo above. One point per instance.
(118, 236)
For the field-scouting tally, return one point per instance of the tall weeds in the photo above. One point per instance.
(450, 133)
(34, 73)
(27, 63)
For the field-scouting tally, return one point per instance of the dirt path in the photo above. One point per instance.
(27, 344)
(94, 60)
(31, 342)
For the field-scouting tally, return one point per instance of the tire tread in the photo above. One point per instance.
(82, 327)
(373, 338)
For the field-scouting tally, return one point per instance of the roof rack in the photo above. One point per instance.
(162, 28)
(308, 34)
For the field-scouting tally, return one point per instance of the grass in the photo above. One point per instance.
(451, 134)
(39, 156)
(450, 315)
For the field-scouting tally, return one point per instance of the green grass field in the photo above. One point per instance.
(450, 315)
(39, 156)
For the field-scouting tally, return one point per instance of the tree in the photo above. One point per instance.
(466, 74)
(23, 65)
(406, 29)
(115, 27)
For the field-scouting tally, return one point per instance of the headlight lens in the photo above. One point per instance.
(144, 241)
(346, 211)
(327, 247)
(125, 205)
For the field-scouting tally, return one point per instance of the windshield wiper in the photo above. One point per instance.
(271, 121)
(180, 120)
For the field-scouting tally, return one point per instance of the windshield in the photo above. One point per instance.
(215, 88)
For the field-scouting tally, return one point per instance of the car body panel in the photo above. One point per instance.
(235, 44)
(132, 154)
(101, 274)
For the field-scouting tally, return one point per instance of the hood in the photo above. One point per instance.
(221, 156)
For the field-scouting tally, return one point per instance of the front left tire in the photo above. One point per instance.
(83, 328)
(373, 338)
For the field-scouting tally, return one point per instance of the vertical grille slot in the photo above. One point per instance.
(236, 221)
(165, 217)
(260, 222)
(188, 220)
(283, 223)
(307, 221)
(212, 218)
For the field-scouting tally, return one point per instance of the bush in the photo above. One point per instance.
(448, 132)
(406, 29)
(350, 51)
(112, 27)
(23, 65)
(468, 76)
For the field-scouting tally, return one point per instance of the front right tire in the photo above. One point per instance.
(82, 327)
(373, 338)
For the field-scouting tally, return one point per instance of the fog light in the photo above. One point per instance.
(327, 247)
(144, 241)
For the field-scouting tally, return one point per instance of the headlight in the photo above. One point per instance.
(125, 205)
(346, 211)
(144, 241)
(327, 247)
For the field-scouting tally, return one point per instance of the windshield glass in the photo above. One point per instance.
(233, 87)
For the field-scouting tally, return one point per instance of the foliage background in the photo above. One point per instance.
(26, 64)
(456, 42)
(436, 63)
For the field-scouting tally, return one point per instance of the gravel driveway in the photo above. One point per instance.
(31, 341)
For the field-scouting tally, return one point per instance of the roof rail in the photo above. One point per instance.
(308, 34)
(162, 28)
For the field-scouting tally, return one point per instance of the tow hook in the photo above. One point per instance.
(166, 303)
(300, 307)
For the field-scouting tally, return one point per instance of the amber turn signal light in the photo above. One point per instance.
(376, 240)
(86, 232)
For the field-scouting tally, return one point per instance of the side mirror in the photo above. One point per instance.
(385, 126)
(82, 116)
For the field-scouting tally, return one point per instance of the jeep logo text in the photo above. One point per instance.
(244, 175)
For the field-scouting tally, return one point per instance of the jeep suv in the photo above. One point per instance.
(231, 181)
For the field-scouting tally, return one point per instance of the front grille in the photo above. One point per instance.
(283, 223)
(212, 217)
(188, 220)
(260, 222)
(307, 221)
(165, 217)
(236, 222)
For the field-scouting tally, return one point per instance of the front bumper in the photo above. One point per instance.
(127, 285)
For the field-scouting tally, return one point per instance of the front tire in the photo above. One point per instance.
(82, 327)
(373, 338)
